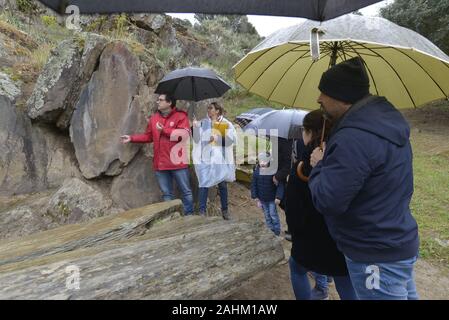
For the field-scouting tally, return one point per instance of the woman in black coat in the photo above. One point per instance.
(313, 249)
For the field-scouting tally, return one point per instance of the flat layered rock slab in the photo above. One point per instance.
(93, 233)
(202, 258)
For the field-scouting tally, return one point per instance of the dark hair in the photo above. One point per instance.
(313, 122)
(170, 98)
(218, 107)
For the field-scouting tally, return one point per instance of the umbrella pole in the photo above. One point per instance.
(333, 60)
(194, 97)
(192, 110)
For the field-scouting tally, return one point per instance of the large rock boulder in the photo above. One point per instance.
(20, 170)
(25, 216)
(93, 46)
(64, 76)
(8, 88)
(150, 22)
(54, 84)
(31, 158)
(145, 253)
(136, 186)
(75, 201)
(107, 110)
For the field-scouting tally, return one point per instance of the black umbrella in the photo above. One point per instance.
(250, 115)
(311, 9)
(193, 84)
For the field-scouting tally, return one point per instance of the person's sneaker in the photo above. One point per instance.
(226, 215)
(319, 294)
(288, 236)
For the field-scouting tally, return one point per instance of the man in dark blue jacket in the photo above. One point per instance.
(362, 183)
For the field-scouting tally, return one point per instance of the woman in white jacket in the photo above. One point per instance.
(213, 156)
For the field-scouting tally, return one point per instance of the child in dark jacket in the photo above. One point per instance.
(267, 193)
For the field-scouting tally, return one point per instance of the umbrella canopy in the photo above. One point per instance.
(287, 122)
(250, 115)
(402, 65)
(193, 84)
(310, 9)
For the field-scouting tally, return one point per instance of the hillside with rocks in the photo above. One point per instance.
(72, 194)
(67, 96)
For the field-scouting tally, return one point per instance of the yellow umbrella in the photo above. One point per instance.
(403, 66)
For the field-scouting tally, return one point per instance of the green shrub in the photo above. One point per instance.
(164, 54)
(26, 6)
(40, 56)
(49, 20)
(121, 24)
(96, 24)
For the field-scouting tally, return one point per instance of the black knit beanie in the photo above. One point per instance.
(346, 81)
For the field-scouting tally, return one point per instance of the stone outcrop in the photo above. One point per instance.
(47, 101)
(146, 253)
(77, 236)
(8, 88)
(150, 22)
(24, 216)
(31, 158)
(105, 111)
(137, 185)
(64, 76)
(75, 201)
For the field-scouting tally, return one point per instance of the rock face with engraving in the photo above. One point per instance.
(105, 111)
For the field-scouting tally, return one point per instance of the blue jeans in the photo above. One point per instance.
(383, 281)
(271, 216)
(203, 192)
(301, 284)
(320, 280)
(182, 178)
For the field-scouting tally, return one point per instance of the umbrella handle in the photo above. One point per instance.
(315, 43)
(322, 134)
(299, 172)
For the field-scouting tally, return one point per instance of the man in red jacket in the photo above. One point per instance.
(169, 130)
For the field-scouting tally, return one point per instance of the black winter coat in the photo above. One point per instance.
(312, 245)
(285, 159)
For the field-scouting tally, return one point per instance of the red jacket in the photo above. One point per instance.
(176, 123)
